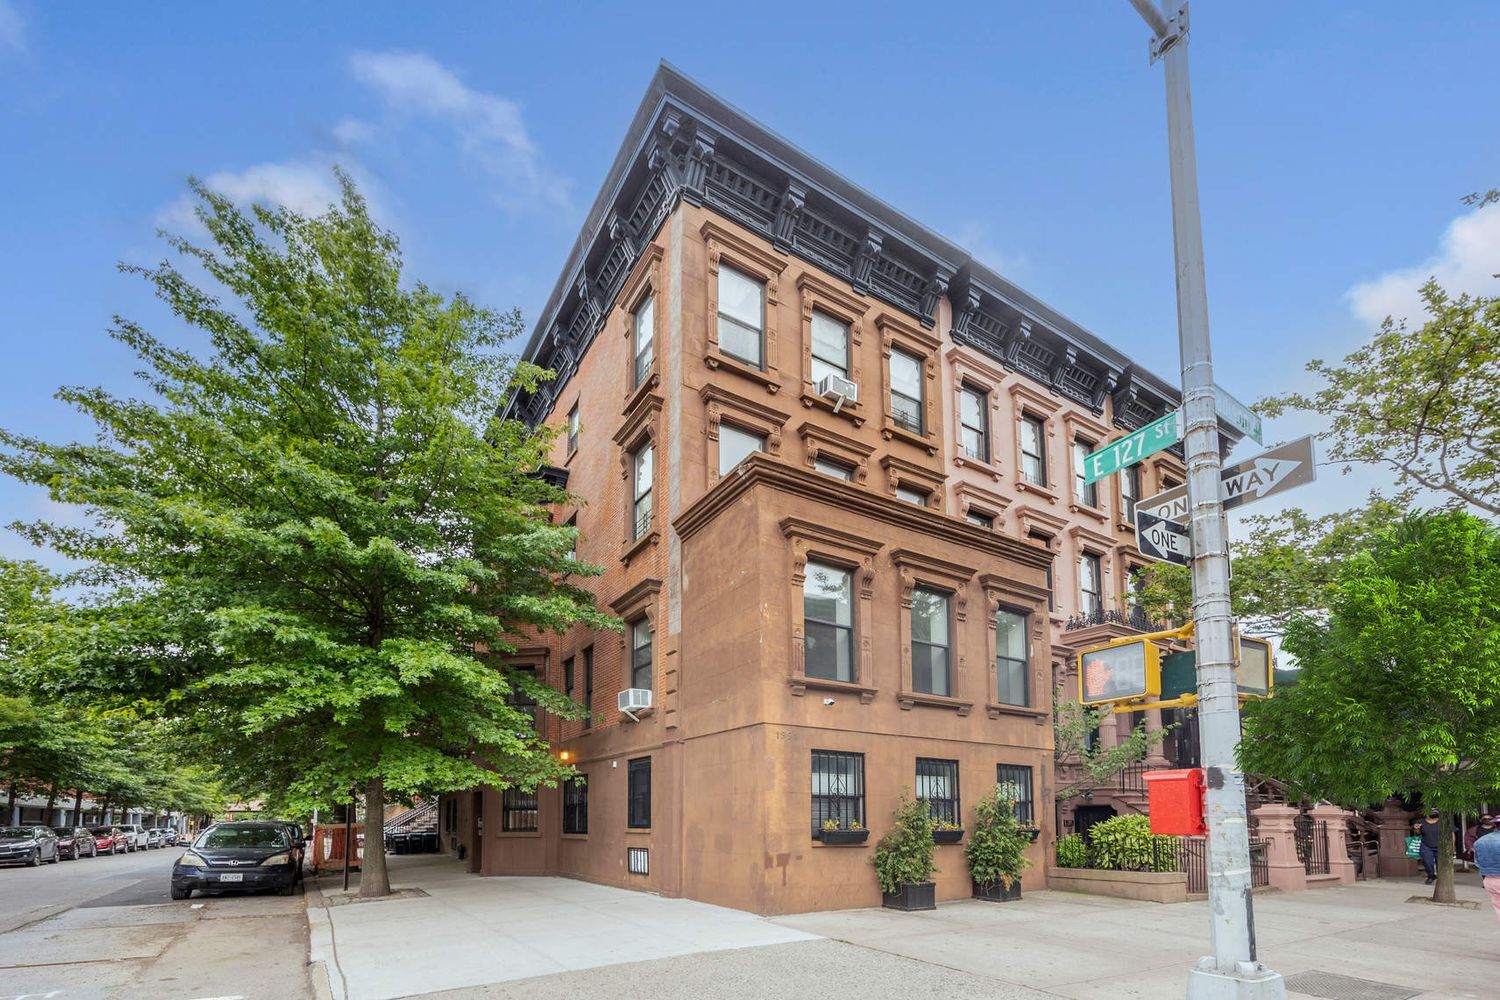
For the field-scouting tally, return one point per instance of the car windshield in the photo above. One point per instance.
(243, 836)
(63, 831)
(102, 831)
(15, 833)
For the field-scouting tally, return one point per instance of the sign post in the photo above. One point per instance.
(1232, 969)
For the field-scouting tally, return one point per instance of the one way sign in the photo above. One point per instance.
(1265, 475)
(1162, 540)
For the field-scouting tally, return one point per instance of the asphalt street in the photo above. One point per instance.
(106, 928)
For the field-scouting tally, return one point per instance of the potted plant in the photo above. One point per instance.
(1031, 830)
(945, 831)
(903, 858)
(997, 849)
(833, 832)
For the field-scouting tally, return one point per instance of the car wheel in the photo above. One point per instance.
(181, 893)
(56, 856)
(35, 859)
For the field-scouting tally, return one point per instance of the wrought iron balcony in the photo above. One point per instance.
(1135, 618)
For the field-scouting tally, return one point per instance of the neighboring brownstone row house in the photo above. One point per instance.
(828, 596)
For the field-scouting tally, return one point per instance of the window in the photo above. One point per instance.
(588, 687)
(638, 792)
(640, 654)
(573, 426)
(520, 699)
(911, 495)
(1033, 451)
(1088, 584)
(837, 470)
(974, 423)
(573, 545)
(838, 789)
(929, 642)
(641, 503)
(735, 445)
(1014, 782)
(828, 622)
(575, 806)
(1169, 483)
(906, 390)
(568, 677)
(1086, 493)
(1130, 491)
(741, 315)
(1137, 577)
(645, 345)
(518, 810)
(937, 782)
(1046, 543)
(980, 520)
(1011, 659)
(830, 347)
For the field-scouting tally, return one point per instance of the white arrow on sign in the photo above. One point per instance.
(1161, 539)
(1265, 475)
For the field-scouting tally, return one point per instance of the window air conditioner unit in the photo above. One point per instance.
(837, 385)
(633, 700)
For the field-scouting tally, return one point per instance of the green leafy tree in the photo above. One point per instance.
(1424, 403)
(314, 541)
(1399, 687)
(1073, 742)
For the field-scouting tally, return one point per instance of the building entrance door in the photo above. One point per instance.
(476, 831)
(1085, 817)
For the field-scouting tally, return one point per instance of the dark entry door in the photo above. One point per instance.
(1085, 817)
(476, 831)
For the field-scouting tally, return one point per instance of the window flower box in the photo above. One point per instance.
(836, 838)
(908, 896)
(947, 836)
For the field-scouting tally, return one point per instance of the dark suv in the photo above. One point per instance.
(27, 845)
(243, 855)
(74, 842)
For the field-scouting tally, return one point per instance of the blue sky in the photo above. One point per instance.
(1334, 144)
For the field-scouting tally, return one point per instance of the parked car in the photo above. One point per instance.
(27, 845)
(298, 841)
(106, 840)
(135, 836)
(74, 842)
(238, 855)
(168, 835)
(154, 838)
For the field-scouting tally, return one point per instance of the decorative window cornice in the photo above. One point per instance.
(899, 472)
(847, 551)
(822, 442)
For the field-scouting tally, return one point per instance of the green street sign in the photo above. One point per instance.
(1238, 415)
(1132, 448)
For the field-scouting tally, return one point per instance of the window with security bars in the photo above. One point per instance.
(937, 782)
(575, 806)
(1011, 668)
(1013, 781)
(638, 794)
(518, 810)
(838, 789)
(638, 861)
(906, 390)
(645, 326)
(640, 654)
(741, 316)
(640, 509)
(974, 422)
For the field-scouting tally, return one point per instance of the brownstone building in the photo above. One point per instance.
(828, 463)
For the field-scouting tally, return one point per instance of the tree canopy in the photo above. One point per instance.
(314, 540)
(1399, 687)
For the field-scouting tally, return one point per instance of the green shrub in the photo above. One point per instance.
(997, 844)
(1126, 844)
(1072, 852)
(904, 855)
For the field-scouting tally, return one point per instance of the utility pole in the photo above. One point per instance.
(1232, 971)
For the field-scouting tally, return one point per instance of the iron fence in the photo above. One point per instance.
(1311, 840)
(1134, 618)
(1260, 863)
(1189, 855)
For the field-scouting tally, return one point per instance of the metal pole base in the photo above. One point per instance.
(1250, 981)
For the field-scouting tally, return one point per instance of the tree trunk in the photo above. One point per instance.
(374, 880)
(1442, 890)
(10, 807)
(51, 804)
(104, 813)
(77, 807)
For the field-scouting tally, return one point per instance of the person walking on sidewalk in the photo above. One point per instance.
(1487, 857)
(1428, 830)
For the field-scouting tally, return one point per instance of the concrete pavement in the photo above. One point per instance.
(106, 928)
(539, 938)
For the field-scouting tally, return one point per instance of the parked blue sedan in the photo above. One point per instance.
(237, 856)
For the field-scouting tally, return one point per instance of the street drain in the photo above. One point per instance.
(1335, 987)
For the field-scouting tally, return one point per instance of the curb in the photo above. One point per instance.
(327, 981)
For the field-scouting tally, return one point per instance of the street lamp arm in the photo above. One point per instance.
(1153, 17)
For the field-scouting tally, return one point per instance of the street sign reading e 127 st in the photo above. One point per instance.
(1131, 448)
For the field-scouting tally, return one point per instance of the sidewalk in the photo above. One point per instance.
(538, 938)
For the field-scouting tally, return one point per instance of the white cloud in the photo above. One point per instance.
(1468, 257)
(12, 29)
(974, 237)
(352, 131)
(306, 186)
(489, 127)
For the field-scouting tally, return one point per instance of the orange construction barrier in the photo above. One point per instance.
(328, 847)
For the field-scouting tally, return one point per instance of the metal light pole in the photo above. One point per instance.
(1232, 970)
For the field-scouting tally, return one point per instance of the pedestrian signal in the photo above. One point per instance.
(1253, 669)
(1121, 671)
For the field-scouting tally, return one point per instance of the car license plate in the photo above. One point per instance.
(232, 877)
